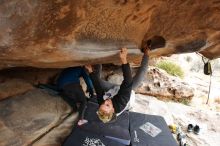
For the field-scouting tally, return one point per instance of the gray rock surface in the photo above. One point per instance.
(26, 118)
(13, 87)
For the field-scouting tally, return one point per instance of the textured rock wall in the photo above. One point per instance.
(13, 87)
(61, 33)
(35, 118)
(159, 83)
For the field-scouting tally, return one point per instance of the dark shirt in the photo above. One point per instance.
(69, 84)
(121, 99)
(72, 75)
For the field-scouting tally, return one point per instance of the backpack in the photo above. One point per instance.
(207, 68)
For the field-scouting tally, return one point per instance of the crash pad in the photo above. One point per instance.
(149, 130)
(117, 130)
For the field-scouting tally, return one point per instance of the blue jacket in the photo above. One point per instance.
(72, 75)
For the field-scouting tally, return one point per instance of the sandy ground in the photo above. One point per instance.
(201, 84)
(182, 115)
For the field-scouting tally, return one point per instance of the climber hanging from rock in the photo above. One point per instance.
(114, 99)
(112, 107)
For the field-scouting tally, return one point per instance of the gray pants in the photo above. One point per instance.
(137, 79)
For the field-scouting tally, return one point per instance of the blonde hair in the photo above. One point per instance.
(105, 117)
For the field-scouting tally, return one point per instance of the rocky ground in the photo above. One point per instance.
(201, 84)
(39, 118)
(182, 115)
(192, 65)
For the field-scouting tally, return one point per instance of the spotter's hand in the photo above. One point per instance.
(89, 68)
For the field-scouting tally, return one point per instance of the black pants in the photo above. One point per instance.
(73, 94)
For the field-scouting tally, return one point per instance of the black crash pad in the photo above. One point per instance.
(117, 130)
(93, 100)
(79, 137)
(91, 115)
(140, 138)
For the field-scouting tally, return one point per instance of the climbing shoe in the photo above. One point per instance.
(196, 129)
(190, 128)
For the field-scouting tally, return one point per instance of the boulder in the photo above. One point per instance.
(35, 118)
(57, 136)
(61, 33)
(158, 83)
(162, 85)
(13, 87)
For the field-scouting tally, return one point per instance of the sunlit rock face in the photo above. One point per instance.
(159, 84)
(61, 33)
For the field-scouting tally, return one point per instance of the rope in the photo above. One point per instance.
(210, 82)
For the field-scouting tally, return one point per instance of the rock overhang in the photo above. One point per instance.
(58, 34)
